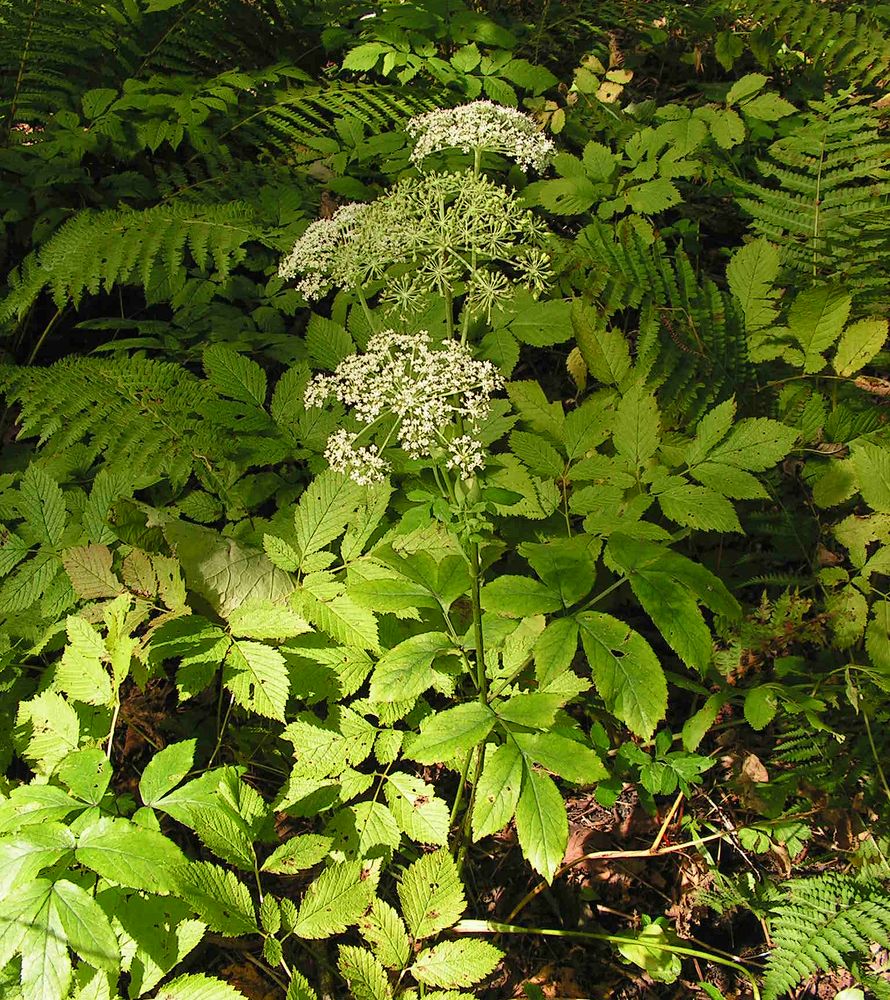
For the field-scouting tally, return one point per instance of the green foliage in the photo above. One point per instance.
(262, 681)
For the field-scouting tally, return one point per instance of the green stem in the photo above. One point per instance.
(365, 308)
(53, 320)
(874, 754)
(491, 927)
(476, 597)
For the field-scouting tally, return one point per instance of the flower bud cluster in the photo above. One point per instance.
(439, 395)
(479, 126)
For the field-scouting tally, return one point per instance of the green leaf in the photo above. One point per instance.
(235, 376)
(299, 988)
(449, 733)
(537, 454)
(604, 349)
(755, 444)
(625, 670)
(337, 899)
(197, 986)
(365, 976)
(364, 57)
(431, 894)
(497, 792)
(327, 343)
(89, 569)
(760, 706)
(128, 854)
(298, 854)
(257, 677)
(519, 597)
(636, 432)
(566, 565)
(768, 108)
(341, 618)
(26, 854)
(872, 465)
(218, 896)
(51, 729)
(536, 410)
(81, 673)
(371, 510)
(859, 343)
(541, 822)
(363, 830)
(660, 963)
(42, 505)
(540, 324)
(567, 758)
(877, 636)
(28, 583)
(225, 834)
(564, 195)
(456, 963)
(555, 649)
(166, 770)
(653, 196)
(86, 926)
(87, 774)
(260, 618)
(46, 965)
(325, 508)
(816, 319)
(699, 507)
(420, 814)
(730, 482)
(532, 709)
(746, 88)
(223, 571)
(384, 930)
(751, 274)
(404, 671)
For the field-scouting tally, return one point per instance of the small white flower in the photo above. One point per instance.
(315, 253)
(481, 125)
(439, 394)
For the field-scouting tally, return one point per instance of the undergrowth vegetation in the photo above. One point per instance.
(445, 499)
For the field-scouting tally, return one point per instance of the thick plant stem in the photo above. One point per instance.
(475, 596)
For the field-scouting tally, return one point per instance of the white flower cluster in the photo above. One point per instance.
(315, 253)
(450, 228)
(439, 395)
(481, 125)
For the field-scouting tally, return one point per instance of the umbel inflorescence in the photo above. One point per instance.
(431, 398)
(481, 125)
(449, 228)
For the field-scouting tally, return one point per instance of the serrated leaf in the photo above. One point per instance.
(497, 792)
(760, 706)
(730, 482)
(535, 409)
(342, 619)
(89, 569)
(197, 986)
(28, 582)
(336, 899)
(768, 107)
(234, 375)
(755, 444)
(872, 465)
(431, 894)
(541, 324)
(456, 963)
(519, 597)
(604, 349)
(258, 678)
(636, 431)
(537, 454)
(86, 774)
(166, 770)
(816, 319)
(420, 814)
(563, 195)
(281, 554)
(371, 510)
(363, 830)
(46, 966)
(327, 343)
(324, 510)
(42, 505)
(405, 670)
(224, 834)
(365, 976)
(24, 855)
(567, 758)
(86, 926)
(50, 728)
(260, 618)
(384, 930)
(555, 649)
(751, 274)
(653, 196)
(129, 854)
(541, 822)
(298, 854)
(449, 733)
(859, 343)
(699, 507)
(218, 896)
(223, 571)
(626, 671)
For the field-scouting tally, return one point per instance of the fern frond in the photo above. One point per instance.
(97, 250)
(825, 198)
(826, 922)
(843, 44)
(142, 415)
